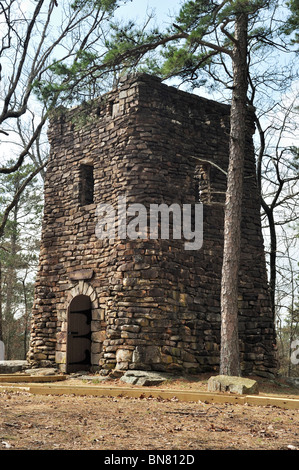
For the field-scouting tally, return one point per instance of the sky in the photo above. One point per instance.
(135, 9)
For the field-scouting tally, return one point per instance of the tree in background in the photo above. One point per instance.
(18, 259)
(289, 341)
(278, 177)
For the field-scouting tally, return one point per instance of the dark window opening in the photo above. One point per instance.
(110, 108)
(203, 185)
(113, 108)
(210, 184)
(86, 185)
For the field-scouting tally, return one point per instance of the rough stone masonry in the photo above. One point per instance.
(144, 304)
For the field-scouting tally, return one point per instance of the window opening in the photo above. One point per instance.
(86, 185)
(203, 183)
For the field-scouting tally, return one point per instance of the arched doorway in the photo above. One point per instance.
(79, 334)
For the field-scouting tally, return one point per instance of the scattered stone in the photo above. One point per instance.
(225, 383)
(10, 367)
(42, 371)
(144, 378)
(5, 444)
(93, 378)
(293, 381)
(291, 447)
(2, 351)
(80, 374)
(116, 374)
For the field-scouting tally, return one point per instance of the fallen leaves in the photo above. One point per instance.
(82, 423)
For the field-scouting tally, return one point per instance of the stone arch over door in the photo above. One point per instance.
(98, 325)
(83, 288)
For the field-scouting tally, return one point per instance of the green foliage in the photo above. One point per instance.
(121, 40)
(126, 39)
(295, 154)
(192, 11)
(65, 78)
(207, 29)
(180, 61)
(80, 74)
(104, 5)
(201, 15)
(129, 47)
(292, 24)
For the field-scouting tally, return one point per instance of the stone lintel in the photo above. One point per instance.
(81, 275)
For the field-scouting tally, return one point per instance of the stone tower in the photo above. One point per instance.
(144, 303)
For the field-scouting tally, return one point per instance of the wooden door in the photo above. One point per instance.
(79, 334)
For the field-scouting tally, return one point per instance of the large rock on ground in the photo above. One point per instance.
(42, 371)
(144, 378)
(11, 367)
(225, 383)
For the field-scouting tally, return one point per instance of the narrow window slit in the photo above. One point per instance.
(86, 185)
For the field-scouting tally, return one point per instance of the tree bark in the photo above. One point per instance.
(10, 287)
(229, 356)
(1, 316)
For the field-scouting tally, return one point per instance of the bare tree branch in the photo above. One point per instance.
(17, 196)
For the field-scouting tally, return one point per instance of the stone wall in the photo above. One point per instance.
(155, 305)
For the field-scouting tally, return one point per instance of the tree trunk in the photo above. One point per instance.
(10, 289)
(229, 358)
(1, 316)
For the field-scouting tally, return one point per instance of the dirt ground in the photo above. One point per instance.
(32, 422)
